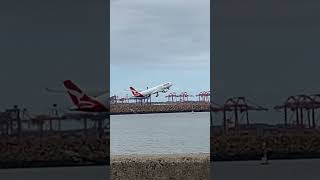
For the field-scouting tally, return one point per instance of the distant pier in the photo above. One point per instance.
(52, 139)
(159, 107)
(236, 137)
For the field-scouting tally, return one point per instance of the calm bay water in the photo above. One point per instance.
(160, 133)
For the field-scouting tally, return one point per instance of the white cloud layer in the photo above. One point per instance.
(160, 33)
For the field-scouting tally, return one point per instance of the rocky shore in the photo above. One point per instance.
(132, 108)
(166, 166)
(53, 150)
(286, 145)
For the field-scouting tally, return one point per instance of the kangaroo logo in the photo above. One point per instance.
(135, 92)
(79, 97)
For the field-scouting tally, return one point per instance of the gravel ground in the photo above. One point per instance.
(164, 166)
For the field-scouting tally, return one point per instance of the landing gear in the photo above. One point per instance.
(157, 94)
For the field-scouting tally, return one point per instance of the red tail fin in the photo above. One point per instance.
(135, 92)
(80, 99)
(74, 91)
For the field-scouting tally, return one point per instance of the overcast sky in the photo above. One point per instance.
(265, 51)
(153, 42)
(45, 42)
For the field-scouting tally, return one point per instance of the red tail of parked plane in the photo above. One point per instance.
(82, 101)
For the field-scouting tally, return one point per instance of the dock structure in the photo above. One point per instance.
(172, 97)
(19, 122)
(204, 96)
(143, 100)
(39, 140)
(238, 138)
(184, 96)
(300, 110)
(125, 100)
(235, 110)
(11, 122)
(214, 108)
(116, 99)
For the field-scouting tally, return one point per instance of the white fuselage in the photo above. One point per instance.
(160, 88)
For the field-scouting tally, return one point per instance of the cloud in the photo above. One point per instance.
(160, 33)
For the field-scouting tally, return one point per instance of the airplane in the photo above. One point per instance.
(154, 90)
(83, 102)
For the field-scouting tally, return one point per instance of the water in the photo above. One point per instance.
(160, 133)
(277, 170)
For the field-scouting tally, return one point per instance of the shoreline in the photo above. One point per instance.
(276, 143)
(53, 151)
(143, 158)
(170, 157)
(131, 108)
(160, 166)
(243, 158)
(160, 112)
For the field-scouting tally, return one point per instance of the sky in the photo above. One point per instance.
(46, 42)
(265, 51)
(153, 42)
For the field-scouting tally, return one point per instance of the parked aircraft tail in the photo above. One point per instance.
(79, 98)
